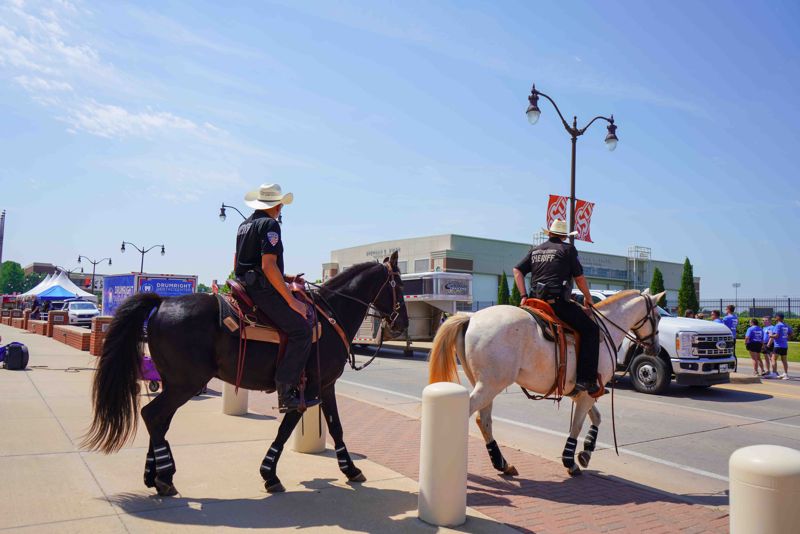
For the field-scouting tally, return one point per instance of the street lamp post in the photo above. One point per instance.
(533, 114)
(94, 265)
(223, 216)
(736, 286)
(142, 251)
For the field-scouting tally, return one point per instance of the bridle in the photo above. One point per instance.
(650, 317)
(389, 317)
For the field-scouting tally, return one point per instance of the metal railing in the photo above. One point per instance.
(754, 307)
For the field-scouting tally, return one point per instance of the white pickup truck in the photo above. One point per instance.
(697, 353)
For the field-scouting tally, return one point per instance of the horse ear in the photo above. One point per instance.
(385, 260)
(393, 259)
(646, 291)
(657, 298)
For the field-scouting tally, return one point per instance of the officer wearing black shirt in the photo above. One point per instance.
(259, 266)
(553, 265)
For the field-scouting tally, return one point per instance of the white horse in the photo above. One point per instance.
(501, 345)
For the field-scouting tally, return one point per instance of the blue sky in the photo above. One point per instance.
(391, 120)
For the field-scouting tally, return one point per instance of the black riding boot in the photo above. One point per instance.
(290, 399)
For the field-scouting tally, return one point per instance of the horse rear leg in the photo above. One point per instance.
(484, 421)
(331, 412)
(591, 437)
(160, 464)
(583, 403)
(269, 466)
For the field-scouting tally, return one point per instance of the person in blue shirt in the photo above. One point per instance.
(715, 316)
(766, 345)
(753, 341)
(780, 335)
(731, 320)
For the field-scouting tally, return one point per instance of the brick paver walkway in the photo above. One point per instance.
(542, 499)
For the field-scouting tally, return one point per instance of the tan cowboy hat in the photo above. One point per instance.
(559, 228)
(267, 196)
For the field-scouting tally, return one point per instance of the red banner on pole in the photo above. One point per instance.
(583, 220)
(556, 209)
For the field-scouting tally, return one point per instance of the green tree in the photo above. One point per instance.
(12, 277)
(502, 289)
(657, 286)
(687, 296)
(515, 298)
(31, 281)
(202, 288)
(223, 287)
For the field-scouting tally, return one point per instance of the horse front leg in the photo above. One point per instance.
(583, 402)
(269, 466)
(591, 437)
(484, 421)
(331, 412)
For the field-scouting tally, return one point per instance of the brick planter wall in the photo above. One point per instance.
(99, 328)
(74, 336)
(56, 318)
(16, 322)
(6, 320)
(26, 316)
(37, 327)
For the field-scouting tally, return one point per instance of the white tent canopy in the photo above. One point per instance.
(63, 281)
(38, 288)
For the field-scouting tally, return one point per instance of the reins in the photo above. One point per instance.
(390, 318)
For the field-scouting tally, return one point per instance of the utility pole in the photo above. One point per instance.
(2, 232)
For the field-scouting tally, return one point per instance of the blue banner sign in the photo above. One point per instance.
(115, 290)
(167, 287)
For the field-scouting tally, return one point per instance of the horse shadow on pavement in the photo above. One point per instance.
(323, 502)
(591, 489)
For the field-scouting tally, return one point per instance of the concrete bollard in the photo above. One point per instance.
(764, 490)
(233, 404)
(306, 437)
(443, 455)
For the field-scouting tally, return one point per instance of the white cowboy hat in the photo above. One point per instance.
(267, 196)
(558, 227)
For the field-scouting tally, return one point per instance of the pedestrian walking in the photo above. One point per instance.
(766, 347)
(715, 316)
(731, 320)
(780, 334)
(753, 341)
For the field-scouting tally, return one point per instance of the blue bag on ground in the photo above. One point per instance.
(15, 356)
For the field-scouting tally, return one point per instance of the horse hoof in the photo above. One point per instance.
(583, 458)
(276, 487)
(164, 489)
(575, 471)
(358, 477)
(511, 471)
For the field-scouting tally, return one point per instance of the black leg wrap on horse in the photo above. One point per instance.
(591, 439)
(269, 465)
(568, 456)
(498, 462)
(165, 465)
(150, 468)
(346, 464)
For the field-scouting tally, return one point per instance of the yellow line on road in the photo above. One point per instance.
(764, 389)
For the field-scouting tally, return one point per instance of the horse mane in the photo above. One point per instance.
(617, 296)
(346, 276)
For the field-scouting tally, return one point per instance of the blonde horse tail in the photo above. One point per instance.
(442, 363)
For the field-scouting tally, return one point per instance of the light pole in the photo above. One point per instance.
(142, 251)
(533, 113)
(69, 271)
(94, 265)
(222, 215)
(736, 286)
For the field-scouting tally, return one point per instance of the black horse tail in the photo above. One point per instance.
(115, 392)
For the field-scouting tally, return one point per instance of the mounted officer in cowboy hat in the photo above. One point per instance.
(259, 266)
(553, 265)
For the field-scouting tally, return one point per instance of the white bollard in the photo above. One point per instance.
(764, 490)
(443, 455)
(306, 437)
(233, 403)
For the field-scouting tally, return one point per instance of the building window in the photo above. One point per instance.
(422, 266)
(402, 266)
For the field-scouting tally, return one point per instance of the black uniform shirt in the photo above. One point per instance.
(259, 234)
(553, 263)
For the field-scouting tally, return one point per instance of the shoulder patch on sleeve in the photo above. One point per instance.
(273, 238)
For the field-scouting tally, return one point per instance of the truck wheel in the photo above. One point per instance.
(650, 374)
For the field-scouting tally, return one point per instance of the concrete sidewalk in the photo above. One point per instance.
(48, 485)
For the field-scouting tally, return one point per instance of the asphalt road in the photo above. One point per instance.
(679, 442)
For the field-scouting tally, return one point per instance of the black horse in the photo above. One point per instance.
(189, 347)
